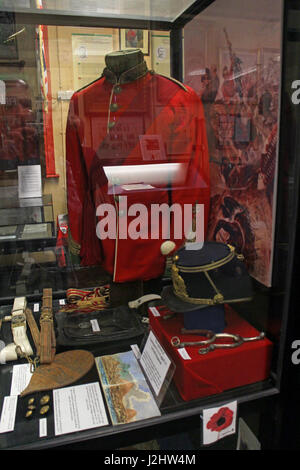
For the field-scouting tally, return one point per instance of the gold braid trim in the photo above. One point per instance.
(87, 300)
(170, 78)
(179, 286)
(74, 247)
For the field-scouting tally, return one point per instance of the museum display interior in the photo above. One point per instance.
(149, 192)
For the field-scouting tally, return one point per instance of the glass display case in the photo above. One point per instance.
(149, 181)
(27, 219)
(27, 241)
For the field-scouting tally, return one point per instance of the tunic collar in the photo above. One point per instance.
(128, 76)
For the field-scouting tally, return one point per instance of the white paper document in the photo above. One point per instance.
(2, 92)
(21, 376)
(184, 354)
(155, 363)
(154, 311)
(78, 408)
(8, 414)
(30, 181)
(43, 427)
(132, 187)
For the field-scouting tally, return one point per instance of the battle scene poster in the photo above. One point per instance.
(240, 98)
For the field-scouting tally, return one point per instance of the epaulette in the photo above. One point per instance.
(85, 86)
(170, 78)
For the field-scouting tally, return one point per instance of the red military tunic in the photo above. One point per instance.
(127, 122)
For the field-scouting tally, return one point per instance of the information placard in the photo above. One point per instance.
(77, 408)
(30, 181)
(157, 366)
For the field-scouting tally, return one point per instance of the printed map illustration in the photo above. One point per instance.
(126, 391)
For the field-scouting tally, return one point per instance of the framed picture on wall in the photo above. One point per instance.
(8, 40)
(135, 38)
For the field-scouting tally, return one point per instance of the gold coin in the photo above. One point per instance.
(30, 401)
(28, 414)
(44, 409)
(44, 400)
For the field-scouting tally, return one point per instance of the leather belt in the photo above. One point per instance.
(47, 344)
(21, 346)
(35, 332)
(18, 326)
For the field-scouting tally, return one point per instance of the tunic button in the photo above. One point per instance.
(111, 124)
(117, 89)
(114, 107)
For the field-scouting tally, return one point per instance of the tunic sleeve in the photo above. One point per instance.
(76, 177)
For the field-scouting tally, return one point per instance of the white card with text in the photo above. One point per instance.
(219, 422)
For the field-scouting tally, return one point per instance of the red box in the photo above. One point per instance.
(218, 370)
